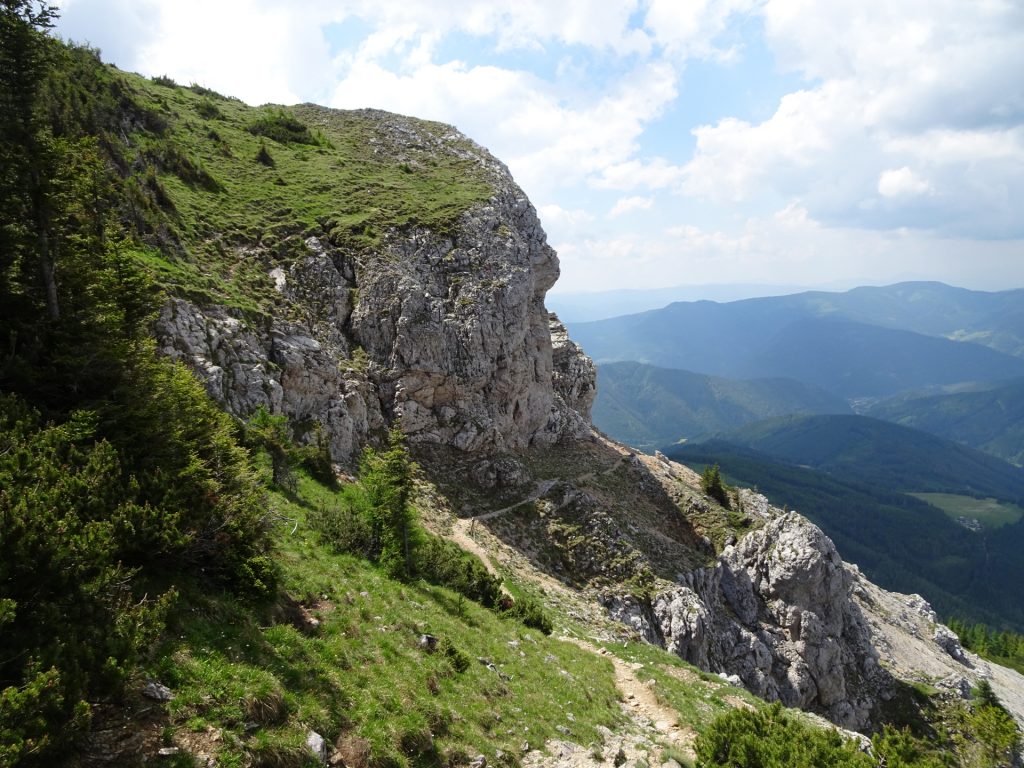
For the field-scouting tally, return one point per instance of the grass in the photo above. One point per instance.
(991, 513)
(360, 678)
(351, 178)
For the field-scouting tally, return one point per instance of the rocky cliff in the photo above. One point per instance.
(775, 611)
(447, 331)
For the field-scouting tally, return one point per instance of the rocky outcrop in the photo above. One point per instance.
(575, 375)
(776, 610)
(447, 331)
(914, 646)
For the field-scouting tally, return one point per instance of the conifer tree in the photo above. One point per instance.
(387, 477)
(26, 151)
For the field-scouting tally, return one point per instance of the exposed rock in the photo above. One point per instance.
(157, 691)
(317, 747)
(575, 375)
(947, 640)
(501, 473)
(776, 612)
(281, 367)
(447, 331)
(915, 647)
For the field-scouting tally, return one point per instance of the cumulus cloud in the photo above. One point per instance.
(888, 84)
(788, 247)
(627, 204)
(693, 28)
(902, 182)
(656, 173)
(546, 141)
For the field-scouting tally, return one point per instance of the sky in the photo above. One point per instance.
(666, 142)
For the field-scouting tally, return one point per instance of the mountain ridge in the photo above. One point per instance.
(759, 338)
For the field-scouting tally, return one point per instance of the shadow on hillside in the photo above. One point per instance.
(584, 512)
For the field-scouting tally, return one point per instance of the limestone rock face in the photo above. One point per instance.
(575, 375)
(446, 331)
(776, 611)
(283, 367)
(789, 589)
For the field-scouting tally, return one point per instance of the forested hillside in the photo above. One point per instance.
(648, 407)
(991, 419)
(900, 541)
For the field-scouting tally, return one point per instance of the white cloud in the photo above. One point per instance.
(554, 215)
(627, 204)
(902, 182)
(692, 28)
(656, 173)
(916, 85)
(785, 247)
(547, 142)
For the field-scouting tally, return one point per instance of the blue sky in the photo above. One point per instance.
(667, 142)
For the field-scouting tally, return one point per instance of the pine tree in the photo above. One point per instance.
(26, 150)
(711, 483)
(387, 477)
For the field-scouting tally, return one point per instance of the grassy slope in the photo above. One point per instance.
(235, 216)
(249, 684)
(361, 675)
(989, 512)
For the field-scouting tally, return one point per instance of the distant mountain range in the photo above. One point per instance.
(865, 343)
(598, 305)
(765, 387)
(647, 406)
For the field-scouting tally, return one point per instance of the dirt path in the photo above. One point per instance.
(648, 714)
(461, 531)
(539, 490)
(641, 700)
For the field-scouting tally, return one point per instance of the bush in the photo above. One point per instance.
(204, 91)
(711, 483)
(71, 624)
(208, 110)
(771, 738)
(531, 613)
(282, 127)
(443, 562)
(263, 157)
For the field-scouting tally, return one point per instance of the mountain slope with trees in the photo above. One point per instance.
(991, 419)
(883, 454)
(648, 407)
(899, 541)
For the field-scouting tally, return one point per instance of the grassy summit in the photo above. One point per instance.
(235, 190)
